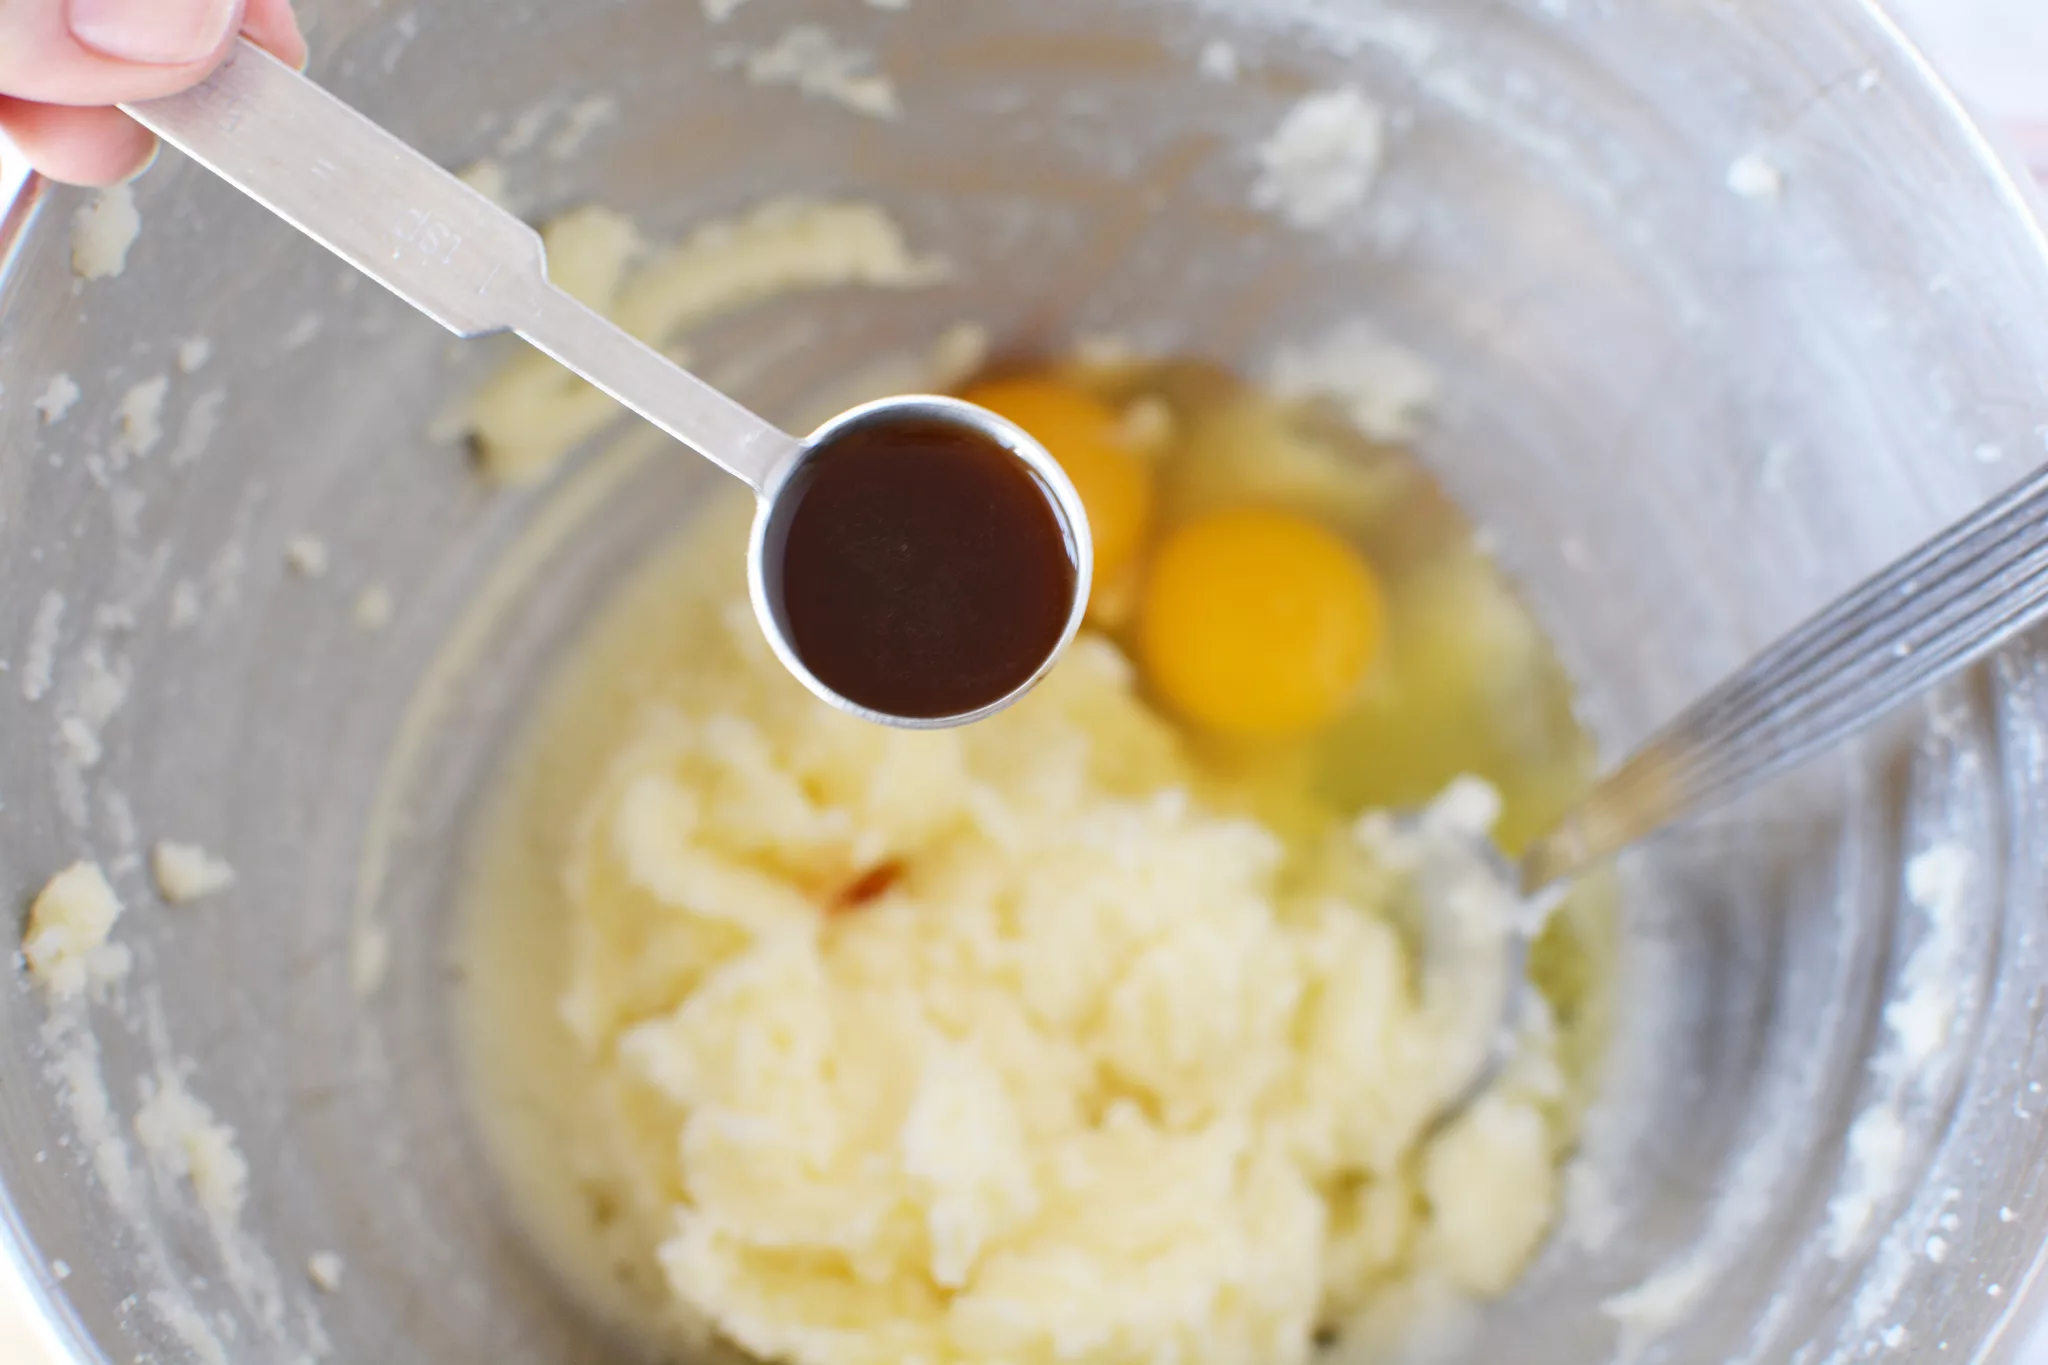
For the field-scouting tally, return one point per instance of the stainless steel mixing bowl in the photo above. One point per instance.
(1685, 414)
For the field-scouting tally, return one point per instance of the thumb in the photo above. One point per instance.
(94, 52)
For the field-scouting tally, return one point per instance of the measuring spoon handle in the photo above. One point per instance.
(437, 243)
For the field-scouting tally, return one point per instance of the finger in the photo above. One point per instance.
(271, 25)
(90, 52)
(79, 146)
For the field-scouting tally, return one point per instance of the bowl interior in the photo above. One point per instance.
(1686, 415)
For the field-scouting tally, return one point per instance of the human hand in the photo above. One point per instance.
(64, 64)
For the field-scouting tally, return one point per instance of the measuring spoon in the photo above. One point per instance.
(939, 654)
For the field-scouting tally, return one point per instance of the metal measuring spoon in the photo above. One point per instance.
(474, 268)
(1930, 614)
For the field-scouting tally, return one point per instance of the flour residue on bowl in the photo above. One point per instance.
(39, 663)
(186, 872)
(102, 231)
(1320, 163)
(185, 1142)
(1385, 388)
(141, 417)
(188, 1152)
(810, 59)
(69, 923)
(59, 396)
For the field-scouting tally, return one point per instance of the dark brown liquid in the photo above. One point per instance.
(924, 570)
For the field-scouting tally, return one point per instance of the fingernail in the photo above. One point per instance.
(155, 32)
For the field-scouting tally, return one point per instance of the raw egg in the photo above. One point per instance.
(1258, 623)
(1086, 436)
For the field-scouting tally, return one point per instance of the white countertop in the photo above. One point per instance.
(1995, 51)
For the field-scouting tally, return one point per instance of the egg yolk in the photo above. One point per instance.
(1086, 436)
(1258, 623)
